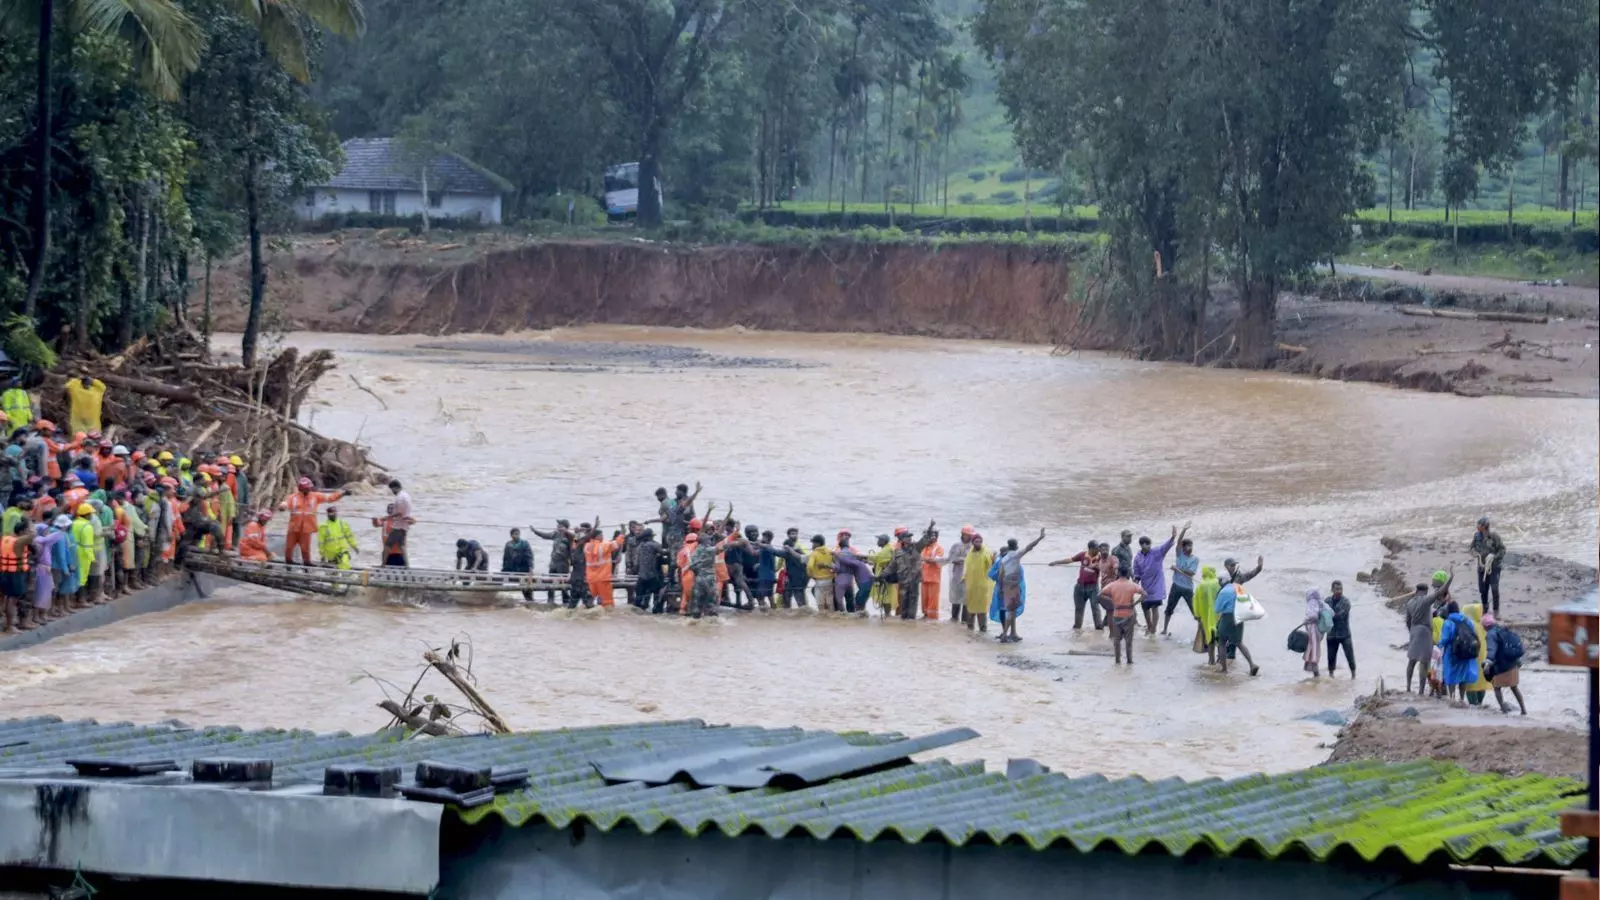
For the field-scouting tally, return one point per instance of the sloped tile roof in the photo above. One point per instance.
(1419, 812)
(386, 164)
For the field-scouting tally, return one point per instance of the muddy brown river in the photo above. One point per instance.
(828, 432)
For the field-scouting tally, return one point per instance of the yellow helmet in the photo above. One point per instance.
(164, 456)
(183, 463)
(234, 460)
(85, 509)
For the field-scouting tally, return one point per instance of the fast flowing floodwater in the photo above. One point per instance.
(826, 432)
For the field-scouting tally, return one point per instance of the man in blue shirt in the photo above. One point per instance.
(1230, 632)
(1184, 568)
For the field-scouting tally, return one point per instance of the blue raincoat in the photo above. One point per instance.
(996, 603)
(1456, 671)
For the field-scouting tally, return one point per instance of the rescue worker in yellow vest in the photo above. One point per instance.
(84, 540)
(335, 541)
(18, 407)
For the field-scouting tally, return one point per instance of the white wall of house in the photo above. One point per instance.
(325, 200)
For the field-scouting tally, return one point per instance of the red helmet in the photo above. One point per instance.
(303, 484)
(694, 525)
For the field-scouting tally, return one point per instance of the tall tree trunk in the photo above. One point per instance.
(649, 169)
(833, 143)
(258, 274)
(1027, 198)
(205, 311)
(1258, 308)
(1544, 159)
(1391, 184)
(133, 300)
(1511, 205)
(80, 306)
(1411, 180)
(425, 198)
(888, 144)
(1563, 170)
(866, 157)
(39, 208)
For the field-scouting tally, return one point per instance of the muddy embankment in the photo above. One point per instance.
(997, 292)
(370, 283)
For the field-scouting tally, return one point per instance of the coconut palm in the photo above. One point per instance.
(165, 43)
(281, 24)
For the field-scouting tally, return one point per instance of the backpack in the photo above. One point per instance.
(1464, 645)
(1508, 652)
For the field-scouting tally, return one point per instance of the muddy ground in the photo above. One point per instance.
(1530, 583)
(1399, 728)
(1372, 341)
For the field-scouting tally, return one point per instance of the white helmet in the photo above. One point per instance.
(119, 450)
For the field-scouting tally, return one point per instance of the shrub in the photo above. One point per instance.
(553, 207)
(1005, 197)
(1011, 176)
(977, 175)
(967, 199)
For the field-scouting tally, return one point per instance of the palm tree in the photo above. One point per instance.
(165, 43)
(281, 25)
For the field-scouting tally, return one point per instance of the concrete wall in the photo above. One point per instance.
(184, 587)
(539, 861)
(324, 200)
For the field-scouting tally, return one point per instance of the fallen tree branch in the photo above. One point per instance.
(1485, 316)
(368, 391)
(448, 670)
(415, 722)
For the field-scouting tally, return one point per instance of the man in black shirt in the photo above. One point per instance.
(472, 554)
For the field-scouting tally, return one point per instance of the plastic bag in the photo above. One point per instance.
(1298, 640)
(1248, 609)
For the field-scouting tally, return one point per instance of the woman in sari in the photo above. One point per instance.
(1312, 657)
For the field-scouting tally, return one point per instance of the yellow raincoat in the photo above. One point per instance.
(1474, 611)
(980, 587)
(884, 594)
(1205, 602)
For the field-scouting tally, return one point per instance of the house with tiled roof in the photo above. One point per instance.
(385, 176)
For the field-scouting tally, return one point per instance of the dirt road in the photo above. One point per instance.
(1488, 287)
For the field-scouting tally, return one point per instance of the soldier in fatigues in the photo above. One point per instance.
(560, 550)
(703, 563)
(907, 567)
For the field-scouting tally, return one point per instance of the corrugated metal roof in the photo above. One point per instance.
(739, 763)
(1418, 812)
(385, 164)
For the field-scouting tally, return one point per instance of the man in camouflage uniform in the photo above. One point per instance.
(907, 567)
(703, 563)
(560, 551)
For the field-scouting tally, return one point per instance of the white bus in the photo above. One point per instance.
(622, 190)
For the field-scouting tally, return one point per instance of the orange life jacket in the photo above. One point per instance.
(10, 560)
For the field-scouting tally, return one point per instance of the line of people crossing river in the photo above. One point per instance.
(702, 563)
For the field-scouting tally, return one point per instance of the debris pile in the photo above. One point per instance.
(167, 390)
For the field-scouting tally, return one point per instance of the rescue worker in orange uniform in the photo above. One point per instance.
(302, 507)
(933, 559)
(597, 564)
(686, 574)
(254, 544)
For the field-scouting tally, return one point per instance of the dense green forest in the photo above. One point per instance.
(141, 139)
